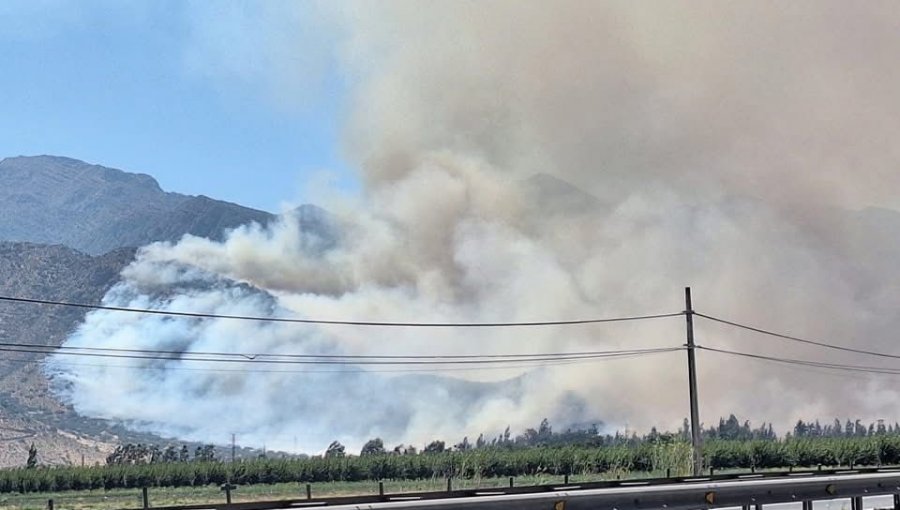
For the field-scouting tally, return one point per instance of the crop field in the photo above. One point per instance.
(119, 486)
(478, 463)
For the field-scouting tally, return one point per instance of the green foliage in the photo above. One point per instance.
(672, 455)
(665, 452)
(335, 450)
(373, 447)
(205, 453)
(31, 463)
(434, 447)
(132, 454)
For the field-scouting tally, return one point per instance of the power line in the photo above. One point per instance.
(256, 356)
(166, 368)
(186, 356)
(798, 339)
(808, 363)
(198, 315)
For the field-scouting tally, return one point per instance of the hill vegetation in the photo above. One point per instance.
(730, 445)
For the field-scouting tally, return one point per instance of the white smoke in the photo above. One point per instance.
(735, 147)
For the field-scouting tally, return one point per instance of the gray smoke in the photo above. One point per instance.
(746, 149)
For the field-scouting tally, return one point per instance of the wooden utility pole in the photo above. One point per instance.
(692, 384)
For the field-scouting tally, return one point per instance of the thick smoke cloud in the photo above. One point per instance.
(745, 149)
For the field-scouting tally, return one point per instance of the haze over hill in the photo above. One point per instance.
(301, 263)
(67, 229)
(85, 207)
(94, 209)
(29, 412)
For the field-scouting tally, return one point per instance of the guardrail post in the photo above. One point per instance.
(308, 491)
(566, 479)
(381, 488)
(145, 498)
(512, 482)
(449, 484)
(49, 504)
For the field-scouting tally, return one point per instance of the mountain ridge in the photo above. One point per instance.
(96, 209)
(67, 229)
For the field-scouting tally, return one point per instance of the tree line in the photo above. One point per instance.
(728, 429)
(662, 457)
(152, 454)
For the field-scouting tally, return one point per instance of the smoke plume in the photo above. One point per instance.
(748, 149)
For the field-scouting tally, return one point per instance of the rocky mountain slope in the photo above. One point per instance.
(94, 209)
(67, 228)
(28, 411)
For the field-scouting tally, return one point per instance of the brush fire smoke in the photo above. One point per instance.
(748, 149)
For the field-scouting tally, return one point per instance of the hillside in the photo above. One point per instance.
(28, 412)
(67, 228)
(94, 209)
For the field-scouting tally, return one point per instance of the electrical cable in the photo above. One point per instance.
(167, 368)
(198, 315)
(797, 339)
(254, 356)
(187, 356)
(807, 363)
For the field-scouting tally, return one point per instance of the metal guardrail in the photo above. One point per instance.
(746, 490)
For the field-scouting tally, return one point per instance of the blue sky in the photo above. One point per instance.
(192, 93)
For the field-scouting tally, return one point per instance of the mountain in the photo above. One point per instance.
(67, 229)
(94, 209)
(28, 411)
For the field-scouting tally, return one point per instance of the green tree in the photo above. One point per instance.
(205, 453)
(373, 447)
(435, 447)
(545, 431)
(31, 463)
(170, 454)
(183, 454)
(335, 449)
